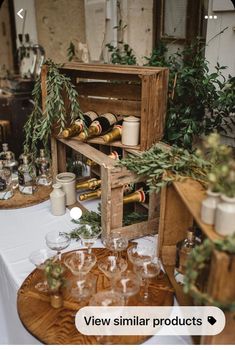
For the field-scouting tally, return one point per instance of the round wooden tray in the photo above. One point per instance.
(57, 326)
(20, 200)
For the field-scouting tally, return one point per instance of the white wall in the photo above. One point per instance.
(222, 48)
(30, 20)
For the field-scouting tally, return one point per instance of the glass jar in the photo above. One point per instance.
(6, 190)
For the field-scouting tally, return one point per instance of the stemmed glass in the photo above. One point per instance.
(139, 254)
(39, 259)
(149, 269)
(128, 285)
(57, 241)
(112, 267)
(84, 287)
(116, 242)
(80, 262)
(89, 235)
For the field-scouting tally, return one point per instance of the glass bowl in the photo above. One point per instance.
(80, 262)
(107, 298)
(39, 257)
(112, 267)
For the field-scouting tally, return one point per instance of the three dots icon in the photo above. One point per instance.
(211, 17)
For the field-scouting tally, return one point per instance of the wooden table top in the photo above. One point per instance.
(57, 326)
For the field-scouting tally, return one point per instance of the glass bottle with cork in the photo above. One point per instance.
(43, 166)
(79, 125)
(6, 190)
(183, 250)
(27, 177)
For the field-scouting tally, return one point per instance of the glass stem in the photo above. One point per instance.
(146, 288)
(59, 255)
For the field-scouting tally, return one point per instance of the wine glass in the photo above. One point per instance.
(128, 284)
(39, 258)
(116, 242)
(83, 288)
(107, 298)
(112, 267)
(57, 241)
(139, 254)
(80, 262)
(148, 269)
(88, 236)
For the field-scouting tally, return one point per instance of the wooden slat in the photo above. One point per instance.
(106, 205)
(105, 105)
(175, 219)
(144, 112)
(138, 230)
(111, 68)
(61, 148)
(106, 89)
(100, 141)
(89, 152)
(54, 158)
(122, 176)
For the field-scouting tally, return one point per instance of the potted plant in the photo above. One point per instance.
(54, 271)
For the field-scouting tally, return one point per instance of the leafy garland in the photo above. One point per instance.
(197, 261)
(39, 125)
(93, 219)
(163, 165)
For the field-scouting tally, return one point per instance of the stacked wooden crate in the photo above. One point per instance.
(122, 90)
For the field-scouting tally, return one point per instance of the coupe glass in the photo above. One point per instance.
(128, 285)
(107, 298)
(112, 267)
(89, 236)
(39, 259)
(80, 262)
(149, 269)
(84, 288)
(116, 242)
(138, 254)
(57, 241)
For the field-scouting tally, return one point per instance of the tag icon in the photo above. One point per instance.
(211, 320)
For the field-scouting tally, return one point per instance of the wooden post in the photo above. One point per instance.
(61, 148)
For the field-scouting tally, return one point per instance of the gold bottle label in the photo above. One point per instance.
(110, 117)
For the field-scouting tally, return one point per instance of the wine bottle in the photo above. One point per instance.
(115, 134)
(102, 124)
(79, 124)
(90, 184)
(183, 249)
(137, 196)
(90, 195)
(114, 155)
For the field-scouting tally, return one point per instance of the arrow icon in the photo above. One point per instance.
(19, 13)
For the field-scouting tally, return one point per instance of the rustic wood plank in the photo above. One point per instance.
(61, 149)
(100, 141)
(175, 219)
(54, 158)
(106, 205)
(103, 105)
(123, 91)
(140, 229)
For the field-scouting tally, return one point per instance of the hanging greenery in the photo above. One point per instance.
(163, 165)
(199, 258)
(40, 123)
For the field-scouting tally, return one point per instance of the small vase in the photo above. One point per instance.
(209, 206)
(57, 198)
(56, 300)
(225, 216)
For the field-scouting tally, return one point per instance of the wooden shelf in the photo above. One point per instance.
(100, 141)
(192, 193)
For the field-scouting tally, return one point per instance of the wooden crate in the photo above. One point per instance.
(123, 90)
(113, 180)
(180, 205)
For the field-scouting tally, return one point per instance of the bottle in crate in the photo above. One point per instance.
(4, 153)
(79, 125)
(115, 134)
(90, 184)
(113, 155)
(103, 124)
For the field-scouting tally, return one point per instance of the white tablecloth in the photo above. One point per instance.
(21, 232)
